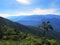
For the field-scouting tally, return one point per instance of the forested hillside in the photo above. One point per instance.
(12, 33)
(11, 36)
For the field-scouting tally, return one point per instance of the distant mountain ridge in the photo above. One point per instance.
(28, 29)
(36, 20)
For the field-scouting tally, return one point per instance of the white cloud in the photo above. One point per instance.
(36, 11)
(42, 11)
(4, 15)
(24, 1)
(57, 13)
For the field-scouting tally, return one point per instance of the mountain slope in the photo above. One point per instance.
(36, 20)
(11, 24)
(27, 29)
(12, 33)
(17, 26)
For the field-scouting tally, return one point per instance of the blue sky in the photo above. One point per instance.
(29, 7)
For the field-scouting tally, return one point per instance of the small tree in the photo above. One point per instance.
(46, 26)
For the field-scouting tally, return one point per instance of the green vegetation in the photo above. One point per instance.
(11, 36)
(46, 26)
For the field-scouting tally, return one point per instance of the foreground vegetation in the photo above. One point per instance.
(10, 36)
(30, 42)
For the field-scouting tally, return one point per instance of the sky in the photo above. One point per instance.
(29, 7)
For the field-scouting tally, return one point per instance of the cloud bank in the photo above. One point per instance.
(36, 11)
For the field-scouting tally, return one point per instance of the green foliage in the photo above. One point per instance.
(46, 26)
(11, 36)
